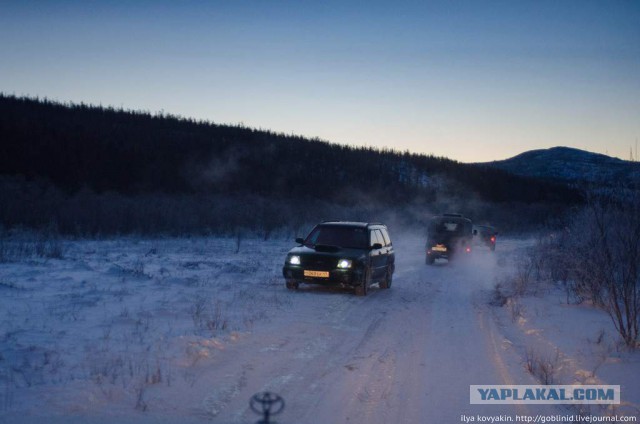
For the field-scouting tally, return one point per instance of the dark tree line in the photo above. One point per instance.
(137, 161)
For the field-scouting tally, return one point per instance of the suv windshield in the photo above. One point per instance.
(341, 236)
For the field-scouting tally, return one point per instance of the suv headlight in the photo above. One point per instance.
(294, 260)
(344, 263)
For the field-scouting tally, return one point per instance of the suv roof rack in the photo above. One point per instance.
(337, 221)
(334, 221)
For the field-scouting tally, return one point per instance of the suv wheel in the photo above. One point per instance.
(429, 260)
(363, 288)
(292, 285)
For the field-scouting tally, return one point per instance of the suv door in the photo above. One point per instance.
(377, 257)
(388, 252)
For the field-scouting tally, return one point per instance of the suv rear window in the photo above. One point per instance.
(376, 237)
(385, 235)
(447, 226)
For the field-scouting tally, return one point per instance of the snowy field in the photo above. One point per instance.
(187, 330)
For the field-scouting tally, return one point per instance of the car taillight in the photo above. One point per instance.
(493, 239)
(468, 250)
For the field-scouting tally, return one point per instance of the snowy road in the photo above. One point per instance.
(187, 330)
(405, 355)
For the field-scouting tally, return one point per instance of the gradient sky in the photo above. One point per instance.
(470, 80)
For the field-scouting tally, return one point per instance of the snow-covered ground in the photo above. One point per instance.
(187, 330)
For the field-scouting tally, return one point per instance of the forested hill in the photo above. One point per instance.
(80, 148)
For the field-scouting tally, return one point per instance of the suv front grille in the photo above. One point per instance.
(314, 262)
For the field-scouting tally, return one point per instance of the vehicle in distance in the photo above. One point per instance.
(352, 255)
(447, 236)
(486, 234)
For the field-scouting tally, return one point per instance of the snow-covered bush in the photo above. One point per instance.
(597, 257)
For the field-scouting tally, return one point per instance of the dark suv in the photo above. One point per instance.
(487, 235)
(448, 235)
(348, 254)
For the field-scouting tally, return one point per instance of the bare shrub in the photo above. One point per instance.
(543, 367)
(597, 258)
(617, 270)
(139, 390)
(516, 310)
(524, 275)
(18, 244)
(137, 268)
(238, 238)
(49, 244)
(208, 316)
(528, 274)
(498, 297)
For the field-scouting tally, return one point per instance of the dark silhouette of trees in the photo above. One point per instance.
(142, 172)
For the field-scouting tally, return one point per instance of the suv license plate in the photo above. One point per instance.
(321, 274)
(439, 248)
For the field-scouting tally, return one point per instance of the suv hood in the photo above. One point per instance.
(328, 251)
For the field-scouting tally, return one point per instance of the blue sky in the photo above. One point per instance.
(469, 80)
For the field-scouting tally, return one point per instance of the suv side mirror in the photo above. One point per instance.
(376, 246)
(299, 240)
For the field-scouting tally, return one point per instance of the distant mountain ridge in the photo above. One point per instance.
(570, 165)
